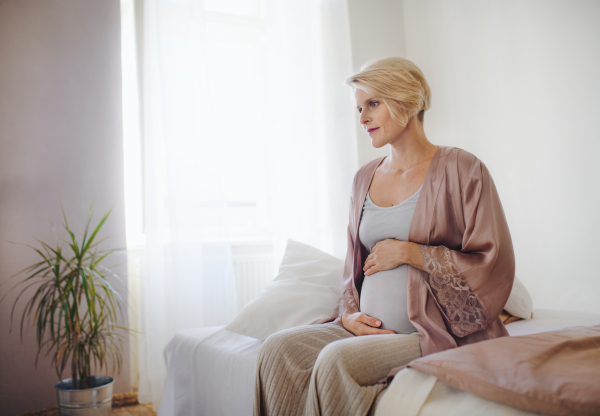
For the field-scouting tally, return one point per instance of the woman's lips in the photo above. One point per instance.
(372, 130)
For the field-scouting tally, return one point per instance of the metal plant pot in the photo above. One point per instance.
(94, 401)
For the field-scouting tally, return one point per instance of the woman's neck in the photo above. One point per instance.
(409, 149)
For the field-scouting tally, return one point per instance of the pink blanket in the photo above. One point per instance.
(554, 373)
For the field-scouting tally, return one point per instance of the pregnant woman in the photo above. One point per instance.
(430, 262)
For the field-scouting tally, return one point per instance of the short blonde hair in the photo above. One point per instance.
(399, 83)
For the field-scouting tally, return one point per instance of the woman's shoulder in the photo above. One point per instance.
(460, 157)
(370, 165)
(461, 163)
(454, 159)
(367, 168)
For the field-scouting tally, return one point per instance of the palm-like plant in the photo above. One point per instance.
(74, 306)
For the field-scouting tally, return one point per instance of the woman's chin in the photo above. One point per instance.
(377, 144)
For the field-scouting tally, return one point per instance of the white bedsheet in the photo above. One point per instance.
(211, 371)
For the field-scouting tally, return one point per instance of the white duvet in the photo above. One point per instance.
(211, 372)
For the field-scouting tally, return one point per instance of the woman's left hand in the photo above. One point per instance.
(391, 253)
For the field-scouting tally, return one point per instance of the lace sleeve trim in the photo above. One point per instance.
(347, 303)
(461, 306)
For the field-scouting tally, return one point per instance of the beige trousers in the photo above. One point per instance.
(325, 370)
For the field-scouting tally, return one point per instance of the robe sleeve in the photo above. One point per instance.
(346, 302)
(472, 285)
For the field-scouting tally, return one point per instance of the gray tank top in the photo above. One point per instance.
(383, 294)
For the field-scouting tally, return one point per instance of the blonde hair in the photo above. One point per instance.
(399, 83)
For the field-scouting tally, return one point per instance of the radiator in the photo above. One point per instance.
(252, 273)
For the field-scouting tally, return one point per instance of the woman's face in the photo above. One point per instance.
(376, 119)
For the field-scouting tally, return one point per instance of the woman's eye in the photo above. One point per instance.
(374, 103)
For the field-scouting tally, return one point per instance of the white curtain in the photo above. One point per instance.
(188, 280)
(196, 138)
(311, 138)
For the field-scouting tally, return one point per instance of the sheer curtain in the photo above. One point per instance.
(312, 144)
(283, 95)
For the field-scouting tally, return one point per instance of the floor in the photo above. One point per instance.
(124, 404)
(135, 410)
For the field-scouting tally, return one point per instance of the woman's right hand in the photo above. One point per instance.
(360, 323)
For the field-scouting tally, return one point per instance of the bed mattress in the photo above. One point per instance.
(211, 371)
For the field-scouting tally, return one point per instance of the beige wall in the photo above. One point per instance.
(60, 139)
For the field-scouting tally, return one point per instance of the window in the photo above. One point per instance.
(235, 45)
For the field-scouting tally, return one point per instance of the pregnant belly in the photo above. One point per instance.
(383, 296)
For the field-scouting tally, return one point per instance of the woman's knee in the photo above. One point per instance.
(365, 359)
(332, 359)
(288, 342)
(290, 335)
(280, 341)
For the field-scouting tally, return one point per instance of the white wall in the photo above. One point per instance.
(60, 139)
(516, 83)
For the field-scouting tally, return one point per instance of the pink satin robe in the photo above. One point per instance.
(467, 250)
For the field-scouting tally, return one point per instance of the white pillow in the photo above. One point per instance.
(519, 302)
(306, 291)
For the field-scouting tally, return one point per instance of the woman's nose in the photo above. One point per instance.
(364, 118)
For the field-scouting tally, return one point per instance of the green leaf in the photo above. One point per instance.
(57, 309)
(97, 229)
(86, 282)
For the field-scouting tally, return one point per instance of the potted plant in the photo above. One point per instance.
(74, 312)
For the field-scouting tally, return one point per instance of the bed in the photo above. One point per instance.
(211, 371)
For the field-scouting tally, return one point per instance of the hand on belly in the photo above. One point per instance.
(384, 295)
(386, 255)
(359, 323)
